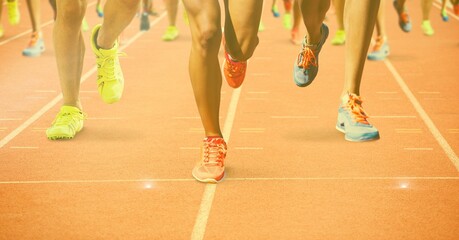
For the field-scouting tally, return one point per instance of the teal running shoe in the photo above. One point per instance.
(307, 64)
(352, 121)
(403, 17)
(380, 50)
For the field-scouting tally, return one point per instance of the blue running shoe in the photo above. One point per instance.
(403, 17)
(444, 15)
(352, 121)
(307, 64)
(380, 50)
(36, 46)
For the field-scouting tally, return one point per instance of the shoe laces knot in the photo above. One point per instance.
(306, 58)
(378, 44)
(354, 104)
(66, 118)
(106, 65)
(214, 151)
(34, 39)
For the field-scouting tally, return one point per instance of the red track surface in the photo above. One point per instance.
(290, 174)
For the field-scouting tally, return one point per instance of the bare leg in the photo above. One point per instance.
(356, 13)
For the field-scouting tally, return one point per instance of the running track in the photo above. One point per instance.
(290, 174)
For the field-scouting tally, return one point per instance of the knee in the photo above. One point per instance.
(71, 13)
(208, 39)
(247, 42)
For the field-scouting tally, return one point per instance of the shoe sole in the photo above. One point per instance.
(209, 180)
(353, 139)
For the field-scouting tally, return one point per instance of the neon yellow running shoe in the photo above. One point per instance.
(170, 34)
(427, 28)
(14, 16)
(68, 122)
(339, 38)
(84, 25)
(110, 80)
(287, 21)
(2, 32)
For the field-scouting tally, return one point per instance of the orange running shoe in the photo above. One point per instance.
(211, 167)
(234, 71)
(456, 8)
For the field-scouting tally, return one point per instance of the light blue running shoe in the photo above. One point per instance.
(380, 50)
(403, 17)
(352, 121)
(36, 46)
(307, 64)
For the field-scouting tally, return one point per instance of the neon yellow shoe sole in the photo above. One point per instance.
(68, 122)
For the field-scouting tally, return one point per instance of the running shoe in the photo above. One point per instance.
(295, 36)
(444, 15)
(456, 8)
(352, 120)
(171, 34)
(84, 25)
(68, 122)
(2, 32)
(14, 16)
(233, 70)
(110, 80)
(144, 22)
(36, 46)
(403, 17)
(380, 50)
(211, 167)
(275, 11)
(307, 64)
(427, 28)
(287, 21)
(261, 27)
(339, 38)
(99, 11)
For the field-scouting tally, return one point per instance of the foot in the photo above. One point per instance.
(99, 11)
(352, 120)
(211, 167)
(427, 28)
(171, 34)
(14, 16)
(380, 50)
(287, 21)
(340, 38)
(68, 122)
(233, 70)
(144, 22)
(36, 46)
(444, 15)
(110, 80)
(307, 63)
(403, 17)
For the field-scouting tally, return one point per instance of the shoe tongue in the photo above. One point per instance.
(70, 109)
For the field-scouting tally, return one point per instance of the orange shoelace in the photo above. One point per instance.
(378, 44)
(306, 58)
(405, 17)
(214, 151)
(354, 104)
(34, 39)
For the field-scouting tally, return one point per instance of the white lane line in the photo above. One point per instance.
(258, 92)
(105, 118)
(189, 148)
(256, 99)
(44, 91)
(200, 224)
(422, 113)
(248, 148)
(294, 117)
(88, 91)
(418, 149)
(58, 98)
(185, 118)
(24, 147)
(168, 180)
(10, 119)
(424, 92)
(387, 92)
(393, 116)
(260, 74)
